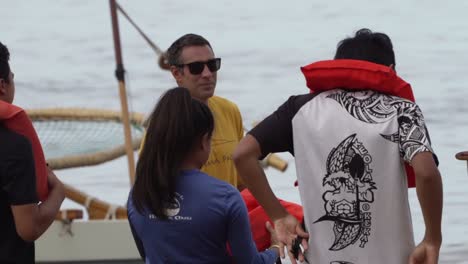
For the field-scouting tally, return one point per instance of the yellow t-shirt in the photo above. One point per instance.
(227, 133)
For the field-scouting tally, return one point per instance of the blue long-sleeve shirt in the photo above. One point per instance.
(208, 213)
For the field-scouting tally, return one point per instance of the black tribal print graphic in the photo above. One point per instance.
(373, 108)
(350, 193)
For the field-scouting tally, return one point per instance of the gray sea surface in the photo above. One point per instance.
(62, 55)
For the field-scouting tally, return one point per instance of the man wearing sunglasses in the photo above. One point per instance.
(194, 66)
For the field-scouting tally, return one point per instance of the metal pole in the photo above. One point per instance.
(120, 74)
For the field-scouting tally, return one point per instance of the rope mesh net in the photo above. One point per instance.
(61, 138)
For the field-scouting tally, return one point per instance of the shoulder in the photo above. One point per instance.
(292, 105)
(402, 101)
(216, 183)
(218, 190)
(221, 100)
(213, 185)
(406, 107)
(216, 102)
(13, 143)
(365, 97)
(297, 101)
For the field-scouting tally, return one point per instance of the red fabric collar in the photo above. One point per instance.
(358, 75)
(15, 119)
(355, 74)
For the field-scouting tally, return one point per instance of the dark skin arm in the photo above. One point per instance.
(32, 220)
(287, 227)
(430, 195)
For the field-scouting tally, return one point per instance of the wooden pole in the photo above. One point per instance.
(120, 74)
(97, 209)
(463, 156)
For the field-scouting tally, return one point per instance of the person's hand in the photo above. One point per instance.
(274, 239)
(287, 230)
(425, 253)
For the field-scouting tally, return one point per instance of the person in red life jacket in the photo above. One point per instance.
(351, 137)
(23, 218)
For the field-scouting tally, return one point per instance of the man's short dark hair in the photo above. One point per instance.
(367, 45)
(4, 65)
(175, 50)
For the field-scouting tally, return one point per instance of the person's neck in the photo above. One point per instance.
(190, 165)
(205, 101)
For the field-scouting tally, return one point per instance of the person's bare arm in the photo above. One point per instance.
(430, 195)
(32, 220)
(246, 160)
(286, 226)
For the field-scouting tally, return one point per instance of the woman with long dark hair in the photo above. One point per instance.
(177, 213)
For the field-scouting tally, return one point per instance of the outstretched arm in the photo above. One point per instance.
(273, 134)
(246, 160)
(286, 226)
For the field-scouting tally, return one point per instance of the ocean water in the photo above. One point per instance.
(62, 55)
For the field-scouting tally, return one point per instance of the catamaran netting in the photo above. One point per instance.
(75, 137)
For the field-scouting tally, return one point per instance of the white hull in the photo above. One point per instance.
(92, 240)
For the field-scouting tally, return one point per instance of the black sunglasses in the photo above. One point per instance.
(197, 67)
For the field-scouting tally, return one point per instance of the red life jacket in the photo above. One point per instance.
(358, 75)
(15, 119)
